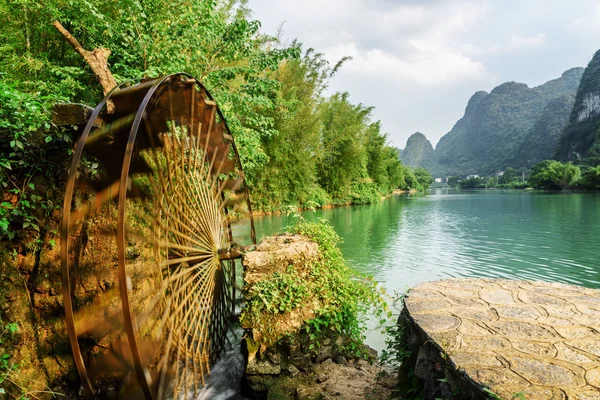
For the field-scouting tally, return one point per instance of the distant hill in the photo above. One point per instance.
(512, 126)
(541, 140)
(580, 140)
(419, 153)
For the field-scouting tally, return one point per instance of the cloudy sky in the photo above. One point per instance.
(419, 62)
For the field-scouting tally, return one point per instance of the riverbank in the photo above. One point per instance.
(302, 320)
(330, 206)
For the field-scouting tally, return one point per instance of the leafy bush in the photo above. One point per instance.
(364, 192)
(32, 157)
(424, 178)
(472, 183)
(590, 179)
(554, 175)
(344, 295)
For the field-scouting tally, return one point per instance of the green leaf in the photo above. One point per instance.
(48, 139)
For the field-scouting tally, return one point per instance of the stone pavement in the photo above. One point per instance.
(520, 339)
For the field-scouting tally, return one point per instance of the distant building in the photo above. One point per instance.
(472, 176)
(499, 174)
(438, 180)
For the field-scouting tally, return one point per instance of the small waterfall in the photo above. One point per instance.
(225, 379)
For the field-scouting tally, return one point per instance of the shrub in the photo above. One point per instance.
(344, 295)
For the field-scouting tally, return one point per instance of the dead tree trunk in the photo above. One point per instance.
(97, 59)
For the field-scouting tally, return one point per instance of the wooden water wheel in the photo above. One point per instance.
(161, 174)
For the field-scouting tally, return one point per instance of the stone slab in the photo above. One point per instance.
(514, 337)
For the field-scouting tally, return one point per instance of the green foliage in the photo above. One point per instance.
(326, 150)
(410, 180)
(554, 175)
(297, 147)
(472, 183)
(215, 41)
(348, 295)
(396, 350)
(424, 178)
(289, 177)
(590, 178)
(453, 181)
(30, 152)
(343, 159)
(518, 185)
(8, 368)
(343, 294)
(510, 175)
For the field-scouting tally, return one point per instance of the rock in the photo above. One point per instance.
(371, 352)
(324, 353)
(308, 393)
(292, 370)
(321, 378)
(340, 360)
(263, 368)
(274, 357)
(302, 363)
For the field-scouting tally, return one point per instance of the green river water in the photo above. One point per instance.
(408, 239)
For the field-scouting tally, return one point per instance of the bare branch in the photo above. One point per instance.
(97, 59)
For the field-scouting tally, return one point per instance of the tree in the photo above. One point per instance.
(471, 183)
(424, 178)
(453, 181)
(343, 159)
(590, 178)
(410, 179)
(510, 175)
(290, 175)
(553, 175)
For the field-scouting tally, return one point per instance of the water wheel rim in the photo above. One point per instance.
(65, 224)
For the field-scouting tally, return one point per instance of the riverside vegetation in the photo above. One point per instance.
(546, 175)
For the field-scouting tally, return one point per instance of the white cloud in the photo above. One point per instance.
(411, 44)
(515, 42)
(425, 67)
(587, 27)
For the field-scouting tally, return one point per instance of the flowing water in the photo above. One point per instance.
(408, 239)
